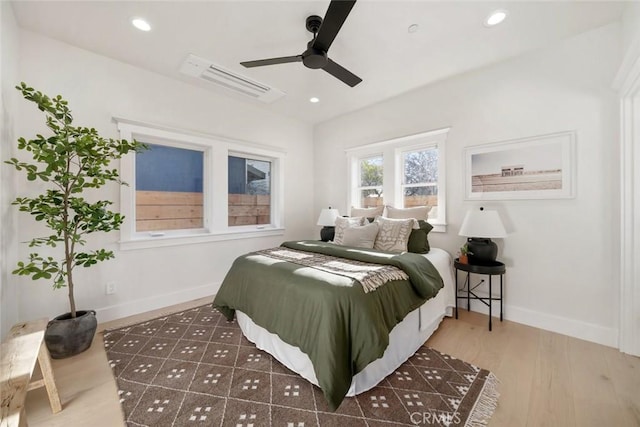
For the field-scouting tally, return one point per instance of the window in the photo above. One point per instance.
(371, 180)
(169, 192)
(249, 191)
(420, 178)
(192, 188)
(408, 171)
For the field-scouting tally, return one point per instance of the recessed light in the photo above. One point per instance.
(495, 17)
(413, 28)
(313, 99)
(141, 24)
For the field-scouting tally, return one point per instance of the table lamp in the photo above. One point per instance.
(480, 225)
(327, 219)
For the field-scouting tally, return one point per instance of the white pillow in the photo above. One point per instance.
(361, 236)
(419, 212)
(343, 223)
(367, 212)
(393, 234)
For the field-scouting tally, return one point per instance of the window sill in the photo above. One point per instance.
(163, 241)
(439, 228)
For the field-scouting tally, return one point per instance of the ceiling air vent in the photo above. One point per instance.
(206, 70)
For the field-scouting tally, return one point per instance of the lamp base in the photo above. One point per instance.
(327, 233)
(483, 250)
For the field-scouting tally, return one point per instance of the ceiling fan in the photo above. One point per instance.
(324, 32)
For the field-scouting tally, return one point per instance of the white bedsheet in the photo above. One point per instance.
(405, 338)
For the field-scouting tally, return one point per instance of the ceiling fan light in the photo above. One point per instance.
(495, 17)
(141, 24)
(314, 100)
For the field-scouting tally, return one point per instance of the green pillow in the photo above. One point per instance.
(418, 242)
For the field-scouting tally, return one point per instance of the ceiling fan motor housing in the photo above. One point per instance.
(314, 58)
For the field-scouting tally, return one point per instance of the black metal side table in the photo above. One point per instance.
(490, 268)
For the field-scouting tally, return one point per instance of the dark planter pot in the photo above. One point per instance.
(66, 336)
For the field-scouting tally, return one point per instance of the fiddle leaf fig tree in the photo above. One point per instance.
(70, 161)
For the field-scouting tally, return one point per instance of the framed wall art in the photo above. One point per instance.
(538, 167)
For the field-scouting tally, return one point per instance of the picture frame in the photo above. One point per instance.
(537, 167)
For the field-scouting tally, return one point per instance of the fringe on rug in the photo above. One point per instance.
(486, 404)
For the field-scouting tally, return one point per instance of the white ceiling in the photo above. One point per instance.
(374, 42)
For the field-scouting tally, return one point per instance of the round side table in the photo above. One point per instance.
(490, 268)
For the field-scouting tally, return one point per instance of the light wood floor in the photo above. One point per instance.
(547, 379)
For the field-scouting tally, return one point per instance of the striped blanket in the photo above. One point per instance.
(371, 276)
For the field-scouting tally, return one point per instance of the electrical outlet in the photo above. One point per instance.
(110, 288)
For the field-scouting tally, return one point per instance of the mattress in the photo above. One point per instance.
(404, 340)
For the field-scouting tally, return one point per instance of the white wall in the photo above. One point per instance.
(8, 72)
(99, 88)
(631, 25)
(561, 255)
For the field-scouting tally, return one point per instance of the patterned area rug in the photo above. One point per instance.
(194, 368)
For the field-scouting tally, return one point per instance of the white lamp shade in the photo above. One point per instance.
(328, 217)
(482, 223)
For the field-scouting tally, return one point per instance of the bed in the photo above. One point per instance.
(324, 326)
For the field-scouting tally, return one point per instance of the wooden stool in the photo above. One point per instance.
(19, 352)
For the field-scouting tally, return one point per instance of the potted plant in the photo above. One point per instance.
(463, 256)
(70, 162)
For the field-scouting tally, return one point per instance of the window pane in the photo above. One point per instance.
(371, 198)
(169, 188)
(249, 191)
(371, 172)
(420, 166)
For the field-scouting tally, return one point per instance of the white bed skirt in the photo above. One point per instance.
(404, 340)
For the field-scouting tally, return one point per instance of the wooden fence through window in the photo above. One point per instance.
(168, 210)
(248, 209)
(409, 201)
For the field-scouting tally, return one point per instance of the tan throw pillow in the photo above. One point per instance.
(419, 212)
(361, 236)
(393, 234)
(367, 212)
(342, 224)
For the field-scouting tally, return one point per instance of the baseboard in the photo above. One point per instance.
(563, 325)
(550, 322)
(130, 308)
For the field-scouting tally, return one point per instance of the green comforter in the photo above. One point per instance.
(329, 317)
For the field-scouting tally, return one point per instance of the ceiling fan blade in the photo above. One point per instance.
(332, 22)
(272, 61)
(341, 73)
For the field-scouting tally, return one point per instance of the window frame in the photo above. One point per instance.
(215, 187)
(362, 188)
(206, 199)
(251, 156)
(393, 169)
(400, 152)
